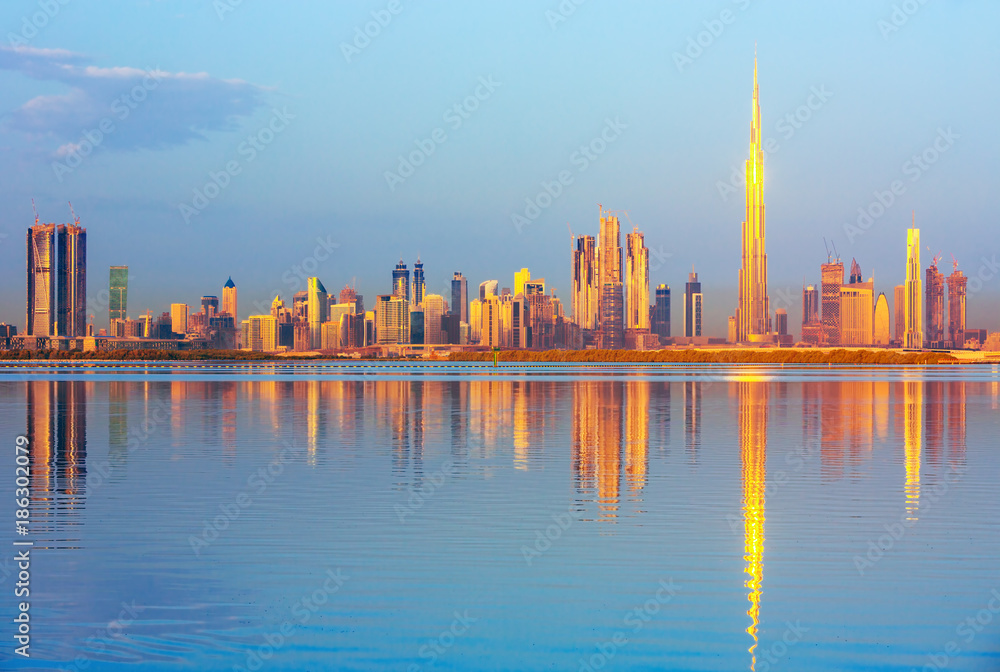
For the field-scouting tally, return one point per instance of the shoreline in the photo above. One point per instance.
(839, 356)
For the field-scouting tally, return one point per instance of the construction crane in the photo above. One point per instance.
(76, 220)
(35, 210)
(954, 263)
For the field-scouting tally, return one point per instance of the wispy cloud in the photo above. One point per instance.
(180, 107)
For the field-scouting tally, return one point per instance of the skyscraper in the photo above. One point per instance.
(752, 314)
(609, 263)
(434, 310)
(178, 318)
(914, 335)
(71, 241)
(392, 319)
(899, 311)
(488, 288)
(229, 299)
(692, 306)
(857, 308)
(882, 334)
(833, 280)
(210, 306)
(41, 304)
(460, 296)
(661, 312)
(781, 321)
(118, 283)
(319, 307)
(934, 335)
(956, 307)
(401, 281)
(636, 281)
(419, 286)
(812, 328)
(585, 283)
(520, 279)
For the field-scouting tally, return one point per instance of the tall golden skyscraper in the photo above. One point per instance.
(752, 313)
(586, 288)
(636, 281)
(914, 335)
(229, 299)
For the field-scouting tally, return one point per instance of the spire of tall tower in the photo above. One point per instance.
(752, 315)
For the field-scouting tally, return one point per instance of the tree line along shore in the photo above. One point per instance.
(713, 356)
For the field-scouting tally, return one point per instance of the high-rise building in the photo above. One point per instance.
(419, 285)
(899, 308)
(392, 319)
(934, 289)
(460, 296)
(349, 295)
(41, 304)
(434, 309)
(210, 306)
(754, 311)
(519, 325)
(229, 299)
(812, 327)
(636, 281)
(179, 318)
(401, 281)
(585, 283)
(118, 282)
(833, 280)
(661, 312)
(319, 307)
(489, 330)
(882, 334)
(914, 334)
(611, 300)
(520, 278)
(957, 283)
(781, 318)
(488, 288)
(693, 306)
(857, 308)
(262, 333)
(71, 241)
(475, 319)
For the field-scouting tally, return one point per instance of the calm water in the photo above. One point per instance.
(558, 517)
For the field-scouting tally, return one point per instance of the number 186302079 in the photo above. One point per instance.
(22, 475)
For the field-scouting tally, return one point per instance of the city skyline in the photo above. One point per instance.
(850, 91)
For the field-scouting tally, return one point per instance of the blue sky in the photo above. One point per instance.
(302, 132)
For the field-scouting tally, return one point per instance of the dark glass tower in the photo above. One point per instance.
(419, 286)
(661, 312)
(71, 282)
(401, 281)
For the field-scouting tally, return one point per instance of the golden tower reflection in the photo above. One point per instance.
(609, 447)
(636, 435)
(912, 402)
(753, 399)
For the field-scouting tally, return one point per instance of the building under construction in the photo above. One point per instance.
(934, 307)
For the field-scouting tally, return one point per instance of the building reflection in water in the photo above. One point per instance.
(692, 417)
(752, 421)
(636, 435)
(912, 440)
(56, 419)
